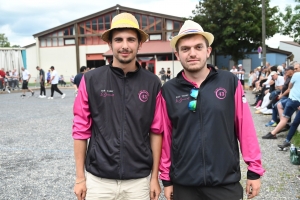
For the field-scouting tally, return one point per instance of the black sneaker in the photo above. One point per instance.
(284, 144)
(32, 93)
(286, 128)
(269, 136)
(23, 95)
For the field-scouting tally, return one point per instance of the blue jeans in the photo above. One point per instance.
(293, 127)
(275, 110)
(290, 106)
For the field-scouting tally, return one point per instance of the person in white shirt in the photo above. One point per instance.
(15, 77)
(25, 76)
(233, 70)
(54, 81)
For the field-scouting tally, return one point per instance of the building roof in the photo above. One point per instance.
(114, 8)
(291, 43)
(270, 50)
(151, 47)
(29, 45)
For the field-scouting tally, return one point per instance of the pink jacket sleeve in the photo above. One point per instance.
(157, 124)
(165, 160)
(82, 121)
(246, 133)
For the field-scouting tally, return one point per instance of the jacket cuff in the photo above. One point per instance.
(166, 183)
(252, 175)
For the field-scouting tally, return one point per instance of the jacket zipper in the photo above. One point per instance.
(122, 133)
(201, 124)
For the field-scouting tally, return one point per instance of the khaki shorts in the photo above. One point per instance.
(111, 189)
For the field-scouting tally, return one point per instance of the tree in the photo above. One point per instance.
(236, 24)
(4, 41)
(291, 22)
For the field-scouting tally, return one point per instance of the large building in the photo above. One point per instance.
(78, 43)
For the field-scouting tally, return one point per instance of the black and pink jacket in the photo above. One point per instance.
(116, 112)
(201, 148)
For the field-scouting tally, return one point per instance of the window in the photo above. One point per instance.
(69, 41)
(138, 18)
(49, 44)
(107, 21)
(81, 27)
(43, 43)
(54, 42)
(155, 37)
(66, 32)
(169, 25)
(144, 22)
(151, 24)
(94, 25)
(60, 42)
(88, 28)
(71, 31)
(158, 24)
(176, 25)
(100, 23)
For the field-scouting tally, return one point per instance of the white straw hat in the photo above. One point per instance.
(124, 20)
(191, 27)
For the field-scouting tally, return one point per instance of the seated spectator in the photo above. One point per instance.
(287, 107)
(292, 131)
(72, 80)
(62, 81)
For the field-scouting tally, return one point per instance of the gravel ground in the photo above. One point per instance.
(36, 151)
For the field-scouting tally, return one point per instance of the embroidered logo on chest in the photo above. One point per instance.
(221, 93)
(181, 98)
(143, 96)
(107, 93)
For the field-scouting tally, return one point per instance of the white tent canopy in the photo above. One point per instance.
(11, 58)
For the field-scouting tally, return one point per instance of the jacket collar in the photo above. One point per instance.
(119, 72)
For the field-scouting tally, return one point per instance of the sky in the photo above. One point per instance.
(20, 19)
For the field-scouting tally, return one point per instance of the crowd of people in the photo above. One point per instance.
(9, 80)
(277, 93)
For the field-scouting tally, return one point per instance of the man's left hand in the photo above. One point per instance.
(252, 188)
(154, 189)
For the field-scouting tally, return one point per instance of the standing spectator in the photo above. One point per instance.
(241, 75)
(118, 110)
(162, 74)
(72, 80)
(42, 82)
(168, 76)
(204, 125)
(54, 82)
(78, 78)
(48, 77)
(2, 77)
(233, 70)
(8, 81)
(26, 77)
(15, 77)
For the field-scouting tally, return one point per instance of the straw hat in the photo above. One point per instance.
(124, 20)
(191, 27)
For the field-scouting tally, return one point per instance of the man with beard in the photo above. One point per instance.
(205, 116)
(118, 109)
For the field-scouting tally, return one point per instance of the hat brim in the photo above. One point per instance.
(208, 36)
(105, 34)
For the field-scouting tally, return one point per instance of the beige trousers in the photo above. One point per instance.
(111, 189)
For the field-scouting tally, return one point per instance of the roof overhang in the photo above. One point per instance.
(150, 47)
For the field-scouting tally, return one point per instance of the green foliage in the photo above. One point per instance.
(236, 24)
(291, 22)
(296, 139)
(4, 41)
